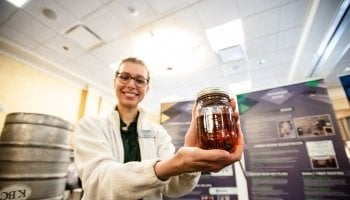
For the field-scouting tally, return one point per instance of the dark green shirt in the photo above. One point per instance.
(130, 141)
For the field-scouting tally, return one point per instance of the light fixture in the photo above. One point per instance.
(18, 3)
(226, 35)
(231, 54)
(164, 47)
(83, 36)
(50, 14)
(133, 11)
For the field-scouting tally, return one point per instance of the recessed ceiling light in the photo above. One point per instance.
(50, 14)
(167, 47)
(65, 48)
(132, 11)
(226, 35)
(83, 36)
(18, 3)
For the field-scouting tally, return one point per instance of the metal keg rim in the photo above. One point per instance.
(33, 176)
(35, 145)
(41, 119)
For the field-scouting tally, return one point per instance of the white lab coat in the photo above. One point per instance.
(99, 159)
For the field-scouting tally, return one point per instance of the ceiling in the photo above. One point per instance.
(282, 38)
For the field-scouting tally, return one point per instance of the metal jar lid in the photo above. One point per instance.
(212, 91)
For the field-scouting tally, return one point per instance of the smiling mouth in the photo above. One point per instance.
(129, 94)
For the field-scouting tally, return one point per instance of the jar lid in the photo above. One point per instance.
(212, 90)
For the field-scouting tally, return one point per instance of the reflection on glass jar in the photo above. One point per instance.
(215, 122)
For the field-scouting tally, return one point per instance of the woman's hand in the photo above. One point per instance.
(191, 158)
(194, 159)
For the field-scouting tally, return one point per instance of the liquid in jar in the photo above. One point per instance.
(215, 122)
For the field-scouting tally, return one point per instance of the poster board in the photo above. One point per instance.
(345, 83)
(293, 145)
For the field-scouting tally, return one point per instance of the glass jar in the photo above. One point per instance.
(215, 121)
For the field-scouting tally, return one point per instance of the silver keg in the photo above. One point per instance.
(34, 156)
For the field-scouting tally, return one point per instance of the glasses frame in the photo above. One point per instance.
(131, 77)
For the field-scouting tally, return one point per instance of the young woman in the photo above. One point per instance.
(124, 156)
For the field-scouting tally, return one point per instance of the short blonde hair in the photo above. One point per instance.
(136, 61)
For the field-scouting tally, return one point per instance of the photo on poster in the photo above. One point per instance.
(285, 129)
(314, 126)
(322, 154)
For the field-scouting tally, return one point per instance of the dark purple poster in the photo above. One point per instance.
(293, 145)
(345, 82)
(175, 118)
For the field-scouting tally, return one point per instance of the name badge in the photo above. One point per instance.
(147, 134)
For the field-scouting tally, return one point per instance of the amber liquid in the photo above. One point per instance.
(217, 131)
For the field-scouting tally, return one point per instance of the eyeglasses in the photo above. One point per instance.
(125, 77)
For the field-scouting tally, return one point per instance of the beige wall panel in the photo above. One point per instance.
(92, 102)
(26, 89)
(107, 105)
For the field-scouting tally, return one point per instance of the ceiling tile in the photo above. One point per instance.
(267, 72)
(27, 24)
(49, 54)
(261, 46)
(293, 14)
(163, 8)
(213, 13)
(104, 24)
(252, 7)
(6, 10)
(127, 43)
(107, 53)
(289, 38)
(89, 64)
(218, 82)
(120, 9)
(234, 67)
(261, 24)
(277, 58)
(186, 19)
(17, 37)
(59, 42)
(79, 9)
(203, 51)
(64, 19)
(238, 77)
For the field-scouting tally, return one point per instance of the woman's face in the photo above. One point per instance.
(130, 94)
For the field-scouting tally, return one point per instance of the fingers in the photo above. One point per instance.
(233, 103)
(237, 154)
